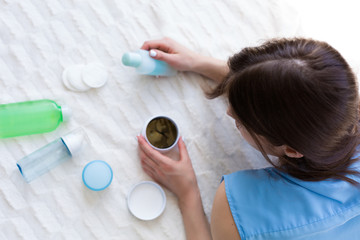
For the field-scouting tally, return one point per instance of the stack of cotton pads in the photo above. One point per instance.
(80, 78)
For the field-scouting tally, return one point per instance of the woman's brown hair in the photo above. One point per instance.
(300, 93)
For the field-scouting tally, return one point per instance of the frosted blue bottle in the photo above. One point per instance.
(51, 155)
(145, 64)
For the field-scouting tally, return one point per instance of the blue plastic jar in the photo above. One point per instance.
(97, 175)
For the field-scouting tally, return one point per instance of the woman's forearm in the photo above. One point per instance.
(194, 218)
(212, 68)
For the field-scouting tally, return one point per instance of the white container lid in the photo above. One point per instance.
(146, 200)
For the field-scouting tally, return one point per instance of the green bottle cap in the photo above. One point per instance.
(131, 59)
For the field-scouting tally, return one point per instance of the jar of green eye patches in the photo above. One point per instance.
(161, 133)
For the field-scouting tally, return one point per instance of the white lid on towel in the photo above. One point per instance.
(146, 200)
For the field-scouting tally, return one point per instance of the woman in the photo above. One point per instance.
(296, 99)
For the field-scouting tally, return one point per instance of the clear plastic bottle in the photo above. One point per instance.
(144, 64)
(51, 155)
(31, 117)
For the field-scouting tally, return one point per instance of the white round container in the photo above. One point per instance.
(146, 200)
(143, 133)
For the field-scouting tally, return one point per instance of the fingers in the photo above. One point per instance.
(170, 58)
(162, 44)
(163, 49)
(151, 172)
(148, 165)
(151, 168)
(148, 161)
(151, 153)
(184, 155)
(148, 169)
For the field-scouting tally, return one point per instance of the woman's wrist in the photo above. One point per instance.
(195, 221)
(212, 68)
(191, 197)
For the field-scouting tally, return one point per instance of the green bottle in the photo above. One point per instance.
(32, 117)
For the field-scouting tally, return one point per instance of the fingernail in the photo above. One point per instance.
(153, 53)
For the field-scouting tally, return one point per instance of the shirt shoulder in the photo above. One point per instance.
(268, 204)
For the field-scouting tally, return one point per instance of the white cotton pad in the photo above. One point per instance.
(146, 200)
(74, 78)
(95, 75)
(66, 82)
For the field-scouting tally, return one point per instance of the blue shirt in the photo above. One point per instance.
(269, 204)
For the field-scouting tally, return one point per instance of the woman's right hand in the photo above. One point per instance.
(173, 53)
(177, 176)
